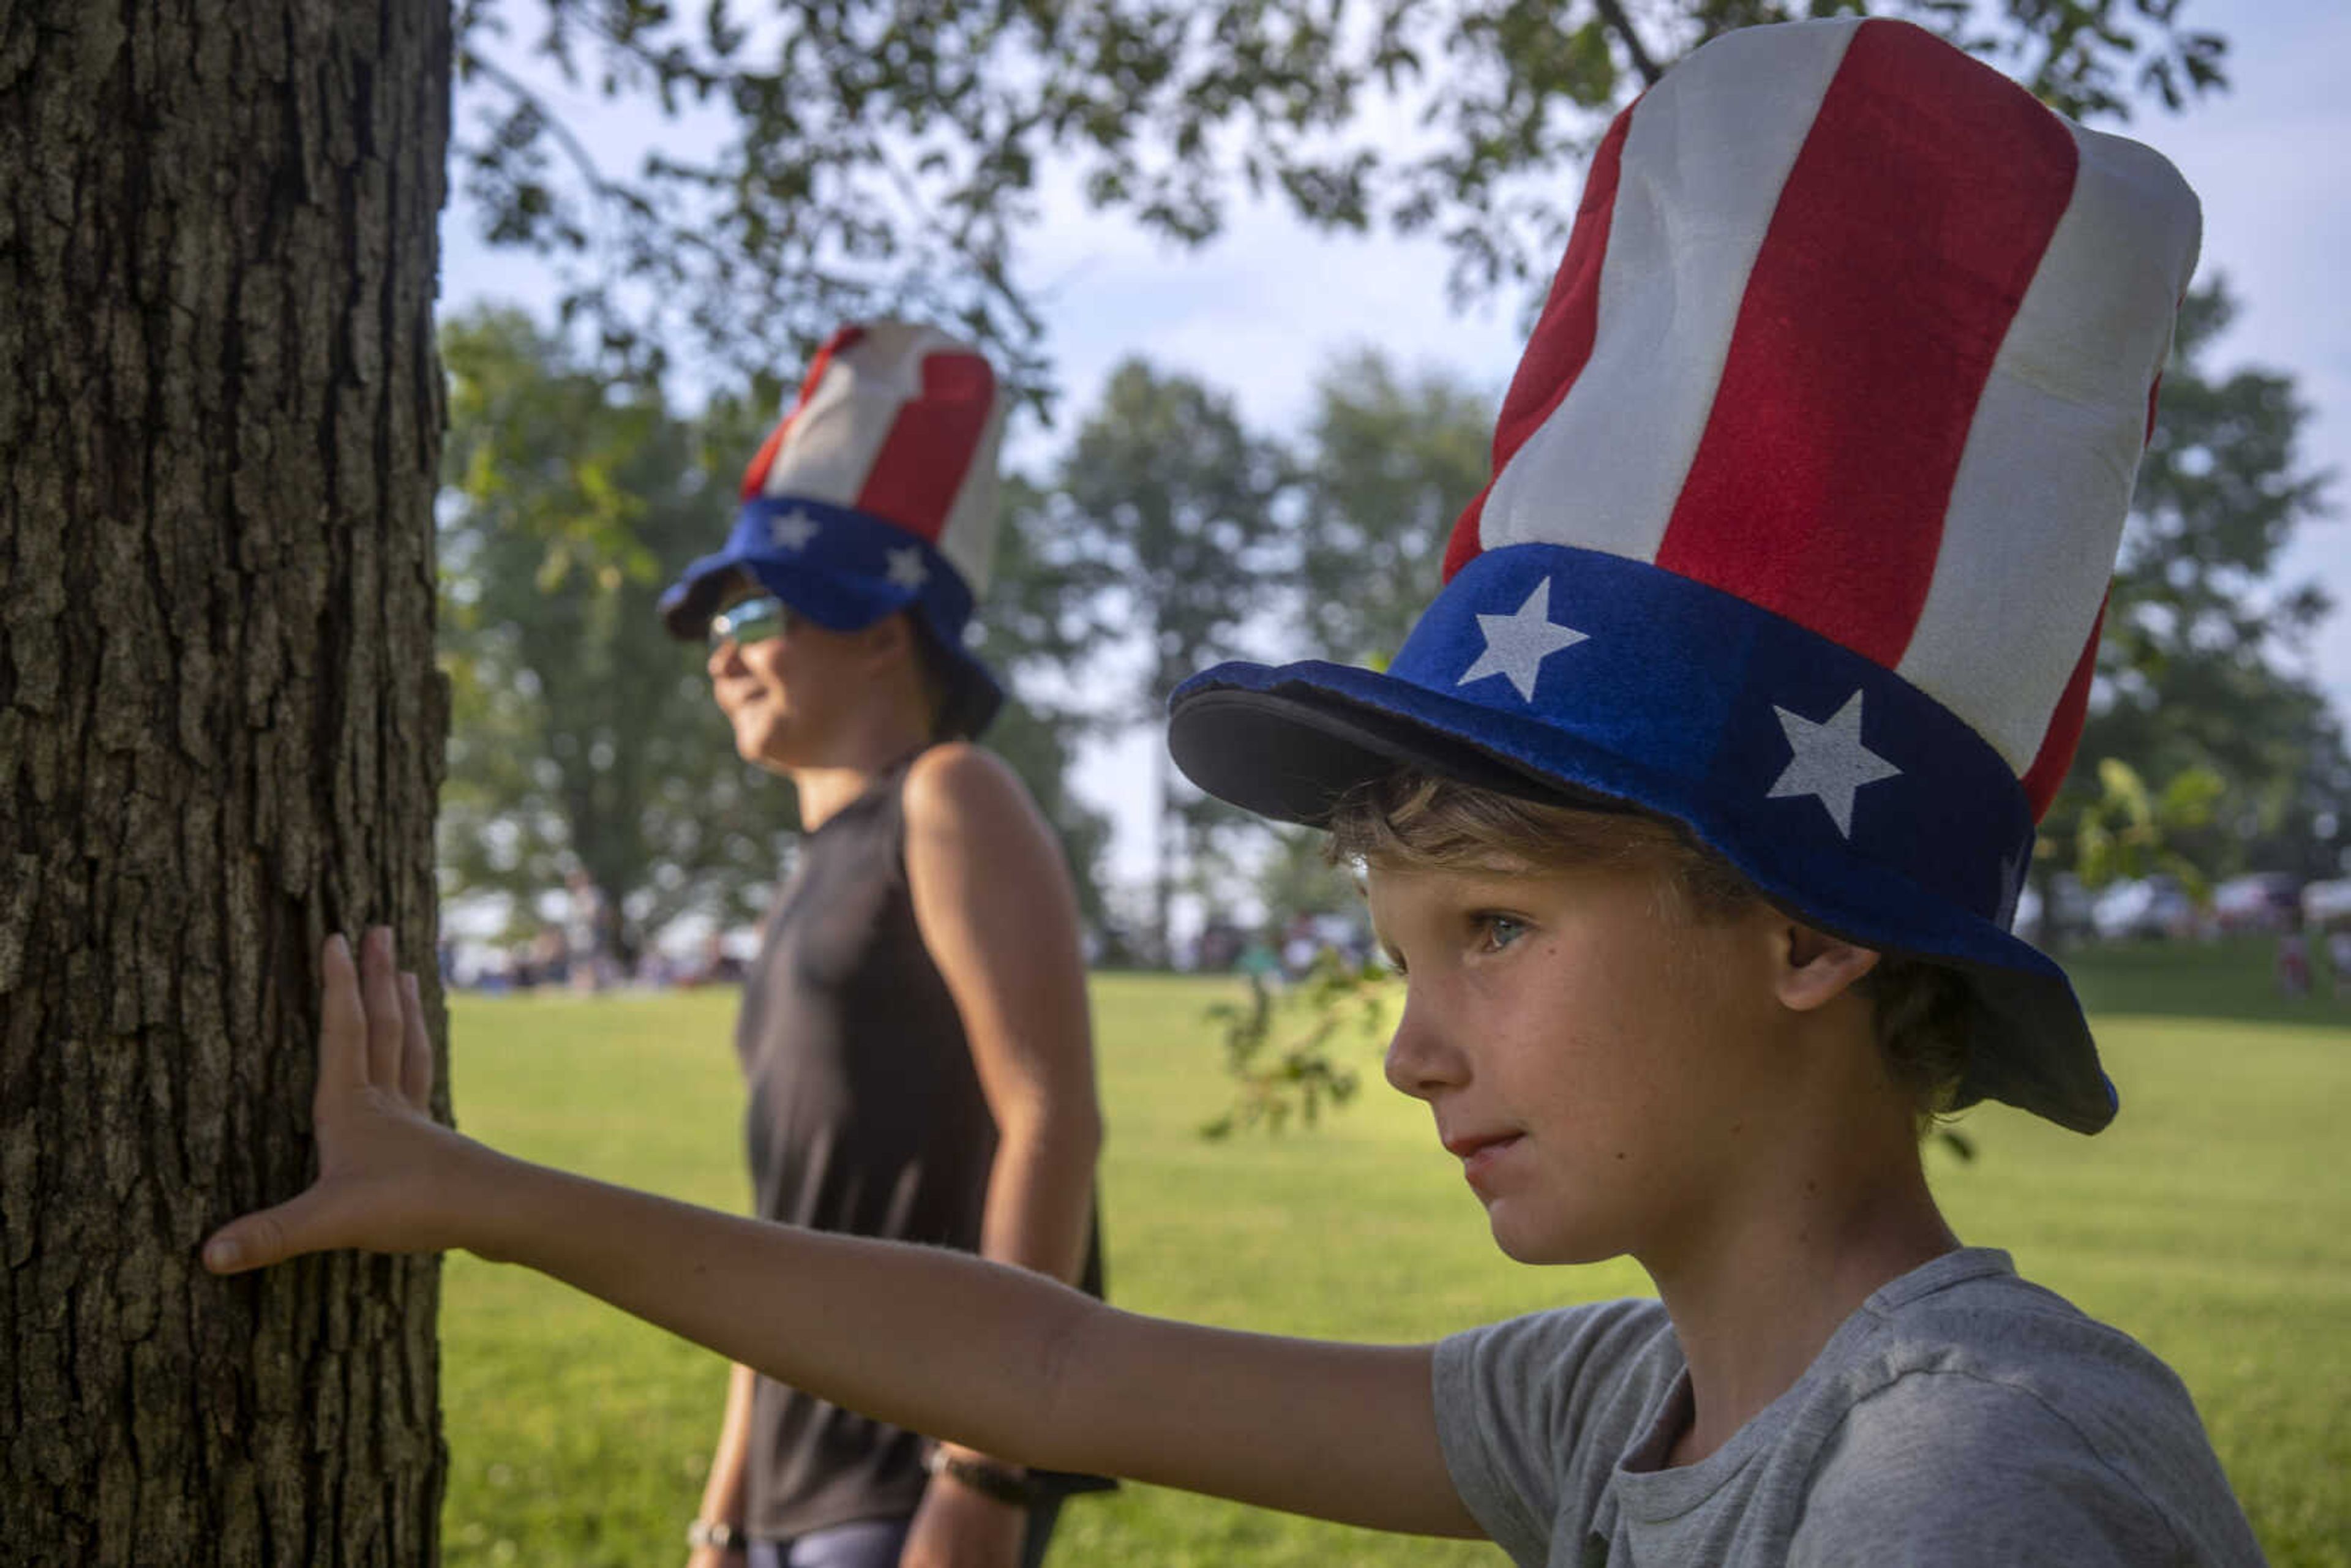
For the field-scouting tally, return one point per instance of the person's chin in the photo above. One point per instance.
(1525, 1237)
(1518, 1245)
(762, 740)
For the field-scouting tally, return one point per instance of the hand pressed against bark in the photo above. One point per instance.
(998, 1359)
(384, 1161)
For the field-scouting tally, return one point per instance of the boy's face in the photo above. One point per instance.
(1598, 1060)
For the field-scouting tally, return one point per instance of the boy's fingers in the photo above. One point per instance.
(380, 993)
(271, 1236)
(416, 1047)
(342, 1025)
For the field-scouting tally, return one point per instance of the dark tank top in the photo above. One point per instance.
(866, 1117)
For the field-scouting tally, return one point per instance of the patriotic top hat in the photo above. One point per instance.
(1805, 500)
(875, 494)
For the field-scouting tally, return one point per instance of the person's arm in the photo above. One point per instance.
(1000, 1359)
(999, 920)
(722, 1494)
(997, 916)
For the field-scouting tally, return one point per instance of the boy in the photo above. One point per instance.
(1694, 812)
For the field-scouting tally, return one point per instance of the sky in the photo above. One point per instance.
(1259, 311)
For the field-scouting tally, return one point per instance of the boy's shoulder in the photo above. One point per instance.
(1971, 1406)
(1961, 1415)
(1970, 1318)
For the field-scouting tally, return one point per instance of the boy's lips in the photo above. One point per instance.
(1477, 1151)
(1461, 1145)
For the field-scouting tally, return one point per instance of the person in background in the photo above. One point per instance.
(914, 1031)
(586, 952)
(2294, 963)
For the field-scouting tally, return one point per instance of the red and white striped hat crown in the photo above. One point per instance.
(1855, 329)
(1805, 501)
(901, 422)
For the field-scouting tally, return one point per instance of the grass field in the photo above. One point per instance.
(2212, 1221)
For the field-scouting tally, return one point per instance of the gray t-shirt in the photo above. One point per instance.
(1961, 1417)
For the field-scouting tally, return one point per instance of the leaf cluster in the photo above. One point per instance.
(2130, 831)
(844, 158)
(2089, 59)
(1278, 1075)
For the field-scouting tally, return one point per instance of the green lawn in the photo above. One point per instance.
(2213, 1221)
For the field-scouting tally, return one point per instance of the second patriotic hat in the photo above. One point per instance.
(1805, 500)
(876, 493)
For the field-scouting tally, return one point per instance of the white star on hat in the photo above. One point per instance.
(1828, 762)
(793, 530)
(1517, 644)
(905, 567)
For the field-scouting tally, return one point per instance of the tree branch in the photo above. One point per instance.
(481, 64)
(1612, 13)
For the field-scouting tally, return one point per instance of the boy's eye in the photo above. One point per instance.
(1497, 931)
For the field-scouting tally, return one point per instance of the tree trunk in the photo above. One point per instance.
(221, 734)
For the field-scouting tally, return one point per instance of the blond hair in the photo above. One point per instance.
(1412, 822)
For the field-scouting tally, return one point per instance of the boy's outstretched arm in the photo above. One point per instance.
(938, 1342)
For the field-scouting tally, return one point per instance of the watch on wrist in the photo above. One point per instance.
(1001, 1483)
(721, 1537)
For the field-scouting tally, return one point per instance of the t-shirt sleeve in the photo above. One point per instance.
(1947, 1469)
(1532, 1415)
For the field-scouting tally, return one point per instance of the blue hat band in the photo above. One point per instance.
(845, 567)
(1812, 749)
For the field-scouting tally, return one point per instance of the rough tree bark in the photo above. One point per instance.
(220, 738)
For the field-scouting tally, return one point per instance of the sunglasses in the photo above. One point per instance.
(752, 621)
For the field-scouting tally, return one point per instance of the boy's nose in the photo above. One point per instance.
(1419, 1062)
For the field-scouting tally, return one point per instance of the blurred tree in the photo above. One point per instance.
(1389, 463)
(866, 157)
(1165, 507)
(583, 733)
(1386, 465)
(1039, 626)
(2197, 670)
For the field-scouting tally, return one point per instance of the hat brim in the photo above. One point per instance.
(1289, 742)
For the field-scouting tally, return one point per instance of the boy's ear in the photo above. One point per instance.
(1817, 969)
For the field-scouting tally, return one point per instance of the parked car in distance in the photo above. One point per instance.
(2148, 907)
(2265, 901)
(2325, 903)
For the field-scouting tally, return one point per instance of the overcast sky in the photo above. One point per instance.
(1259, 311)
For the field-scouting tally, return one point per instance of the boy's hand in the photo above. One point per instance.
(385, 1167)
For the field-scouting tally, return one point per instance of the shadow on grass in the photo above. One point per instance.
(2231, 978)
